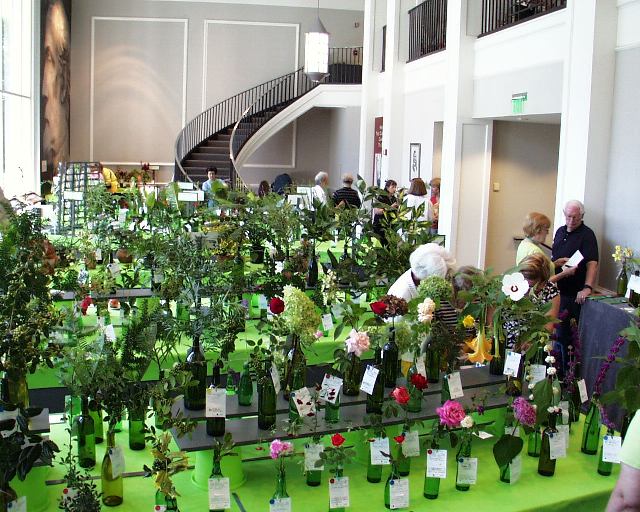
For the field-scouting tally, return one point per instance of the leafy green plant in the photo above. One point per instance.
(166, 463)
(85, 497)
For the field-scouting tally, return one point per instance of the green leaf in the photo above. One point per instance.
(506, 449)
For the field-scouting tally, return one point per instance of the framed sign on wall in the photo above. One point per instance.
(414, 160)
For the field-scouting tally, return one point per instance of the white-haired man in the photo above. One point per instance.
(574, 236)
(319, 191)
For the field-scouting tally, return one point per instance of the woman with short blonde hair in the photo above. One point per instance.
(535, 223)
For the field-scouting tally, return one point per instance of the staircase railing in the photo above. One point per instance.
(345, 67)
(500, 14)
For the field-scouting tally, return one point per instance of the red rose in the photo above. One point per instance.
(400, 395)
(276, 305)
(337, 440)
(378, 307)
(419, 381)
(399, 439)
(86, 302)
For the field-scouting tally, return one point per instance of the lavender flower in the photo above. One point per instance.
(524, 412)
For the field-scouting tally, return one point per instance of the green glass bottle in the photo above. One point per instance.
(432, 365)
(230, 384)
(195, 396)
(216, 472)
(394, 475)
(415, 395)
(464, 450)
(137, 428)
(431, 487)
(112, 492)
(297, 382)
(170, 502)
(374, 471)
(215, 426)
(403, 463)
(390, 361)
(332, 411)
(281, 486)
(605, 468)
(86, 432)
(96, 414)
(547, 465)
(266, 401)
(534, 443)
(591, 431)
(376, 399)
(314, 476)
(245, 386)
(352, 375)
(444, 390)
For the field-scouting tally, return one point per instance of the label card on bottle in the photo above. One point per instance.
(159, 508)
(219, 495)
(563, 430)
(330, 389)
(98, 254)
(379, 446)
(512, 431)
(564, 406)
(512, 364)
(116, 454)
(515, 469)
(280, 505)
(538, 372)
(467, 470)
(338, 492)
(68, 494)
(369, 379)
(275, 377)
(327, 322)
(304, 403)
(411, 444)
(399, 493)
(557, 446)
(582, 389)
(262, 302)
(455, 385)
(114, 268)
(611, 448)
(420, 366)
(216, 404)
(110, 333)
(19, 505)
(436, 463)
(122, 215)
(311, 455)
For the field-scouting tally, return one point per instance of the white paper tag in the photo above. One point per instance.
(515, 432)
(436, 463)
(160, 508)
(411, 444)
(98, 254)
(379, 446)
(304, 403)
(563, 430)
(611, 448)
(582, 389)
(455, 385)
(369, 379)
(158, 276)
(275, 377)
(68, 493)
(557, 446)
(114, 268)
(219, 495)
(512, 364)
(564, 405)
(73, 195)
(482, 434)
(399, 493)
(538, 372)
(515, 469)
(13, 415)
(122, 215)
(467, 470)
(216, 404)
(110, 333)
(19, 505)
(280, 505)
(327, 322)
(116, 454)
(311, 455)
(330, 389)
(420, 366)
(633, 286)
(338, 492)
(262, 302)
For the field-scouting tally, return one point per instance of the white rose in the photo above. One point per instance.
(531, 396)
(551, 371)
(467, 422)
(551, 409)
(550, 359)
(548, 348)
(531, 386)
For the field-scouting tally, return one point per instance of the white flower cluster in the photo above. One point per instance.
(554, 409)
(550, 359)
(426, 310)
(467, 422)
(551, 370)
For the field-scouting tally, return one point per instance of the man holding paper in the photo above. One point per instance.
(574, 245)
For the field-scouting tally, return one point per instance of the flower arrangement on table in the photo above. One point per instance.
(279, 451)
(166, 463)
(347, 360)
(510, 445)
(623, 256)
(547, 392)
(336, 455)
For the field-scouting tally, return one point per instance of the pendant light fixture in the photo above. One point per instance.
(316, 50)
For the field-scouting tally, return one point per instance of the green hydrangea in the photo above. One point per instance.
(300, 314)
(436, 288)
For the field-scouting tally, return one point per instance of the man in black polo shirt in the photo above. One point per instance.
(574, 289)
(347, 196)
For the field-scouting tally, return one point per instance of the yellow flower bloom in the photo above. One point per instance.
(468, 321)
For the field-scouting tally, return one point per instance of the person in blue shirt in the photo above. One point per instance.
(209, 188)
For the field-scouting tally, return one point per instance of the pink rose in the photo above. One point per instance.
(357, 342)
(451, 413)
(400, 395)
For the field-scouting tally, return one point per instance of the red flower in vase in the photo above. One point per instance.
(379, 308)
(337, 440)
(400, 395)
(84, 305)
(399, 439)
(419, 381)
(276, 305)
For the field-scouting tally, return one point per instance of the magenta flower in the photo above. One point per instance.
(280, 449)
(451, 413)
(524, 412)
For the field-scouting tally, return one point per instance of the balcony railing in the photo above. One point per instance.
(427, 28)
(500, 14)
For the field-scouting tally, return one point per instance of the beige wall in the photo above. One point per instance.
(525, 165)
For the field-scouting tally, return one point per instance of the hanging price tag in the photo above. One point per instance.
(327, 322)
(379, 446)
(582, 389)
(455, 385)
(611, 448)
(411, 444)
(399, 493)
(467, 470)
(538, 372)
(330, 389)
(339, 492)
(262, 302)
(219, 495)
(304, 403)
(275, 377)
(563, 430)
(557, 446)
(512, 364)
(116, 454)
(515, 469)
(280, 505)
(436, 463)
(369, 379)
(216, 404)
(19, 505)
(311, 455)
(110, 333)
(420, 366)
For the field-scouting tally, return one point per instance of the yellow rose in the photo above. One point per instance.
(468, 321)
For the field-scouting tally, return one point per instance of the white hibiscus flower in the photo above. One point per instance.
(515, 286)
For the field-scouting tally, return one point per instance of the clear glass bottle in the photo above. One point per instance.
(195, 396)
(281, 486)
(86, 433)
(591, 431)
(245, 386)
(112, 491)
(352, 376)
(547, 465)
(215, 426)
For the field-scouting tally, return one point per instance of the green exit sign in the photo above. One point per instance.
(517, 102)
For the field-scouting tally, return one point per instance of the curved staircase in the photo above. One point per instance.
(215, 137)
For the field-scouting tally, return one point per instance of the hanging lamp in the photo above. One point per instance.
(316, 50)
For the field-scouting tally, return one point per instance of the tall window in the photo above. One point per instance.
(17, 162)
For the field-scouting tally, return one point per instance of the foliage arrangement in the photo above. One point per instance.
(166, 463)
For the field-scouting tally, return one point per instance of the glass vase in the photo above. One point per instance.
(376, 399)
(112, 492)
(137, 428)
(390, 361)
(195, 396)
(338, 473)
(170, 502)
(464, 451)
(374, 471)
(534, 443)
(622, 280)
(86, 433)
(352, 376)
(297, 382)
(314, 477)
(245, 386)
(312, 268)
(444, 389)
(591, 431)
(266, 403)
(605, 468)
(281, 485)
(296, 368)
(332, 411)
(415, 395)
(403, 463)
(95, 411)
(547, 465)
(215, 427)
(432, 365)
(431, 486)
(394, 475)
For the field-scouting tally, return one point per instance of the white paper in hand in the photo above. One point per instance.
(216, 404)
(330, 388)
(574, 261)
(399, 493)
(611, 449)
(436, 463)
(512, 364)
(379, 446)
(369, 379)
(411, 444)
(455, 385)
(338, 492)
(219, 495)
